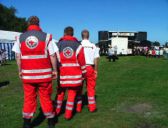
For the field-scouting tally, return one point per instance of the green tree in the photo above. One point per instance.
(9, 21)
(166, 45)
(156, 43)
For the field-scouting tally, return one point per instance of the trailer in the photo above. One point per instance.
(121, 44)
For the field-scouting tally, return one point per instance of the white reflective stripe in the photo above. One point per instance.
(70, 65)
(47, 38)
(37, 70)
(91, 98)
(27, 114)
(34, 57)
(78, 50)
(70, 103)
(46, 46)
(71, 82)
(79, 102)
(37, 77)
(83, 67)
(59, 101)
(70, 77)
(84, 71)
(69, 108)
(58, 106)
(49, 114)
(92, 102)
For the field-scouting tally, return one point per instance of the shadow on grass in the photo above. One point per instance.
(40, 118)
(5, 83)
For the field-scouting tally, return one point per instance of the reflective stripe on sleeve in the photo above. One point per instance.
(78, 50)
(47, 38)
(37, 70)
(71, 82)
(71, 77)
(37, 77)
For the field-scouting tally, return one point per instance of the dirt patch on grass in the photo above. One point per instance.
(139, 108)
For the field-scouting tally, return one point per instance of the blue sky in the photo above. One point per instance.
(95, 15)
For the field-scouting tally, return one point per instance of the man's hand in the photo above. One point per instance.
(54, 75)
(54, 63)
(96, 74)
(20, 75)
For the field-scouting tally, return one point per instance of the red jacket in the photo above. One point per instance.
(72, 62)
(35, 61)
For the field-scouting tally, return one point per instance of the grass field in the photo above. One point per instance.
(131, 93)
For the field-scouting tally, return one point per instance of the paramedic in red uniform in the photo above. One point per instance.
(91, 56)
(36, 60)
(72, 69)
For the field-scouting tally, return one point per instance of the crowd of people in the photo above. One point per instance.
(154, 52)
(149, 52)
(69, 61)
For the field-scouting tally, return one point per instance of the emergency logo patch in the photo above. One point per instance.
(32, 42)
(68, 52)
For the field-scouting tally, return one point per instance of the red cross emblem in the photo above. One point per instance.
(32, 42)
(68, 52)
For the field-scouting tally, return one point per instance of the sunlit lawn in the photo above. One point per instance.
(131, 93)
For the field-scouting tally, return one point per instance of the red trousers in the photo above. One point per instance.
(72, 91)
(44, 90)
(90, 85)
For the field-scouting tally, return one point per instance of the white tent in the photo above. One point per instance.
(7, 39)
(8, 35)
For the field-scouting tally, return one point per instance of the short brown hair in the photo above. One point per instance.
(85, 34)
(69, 31)
(33, 20)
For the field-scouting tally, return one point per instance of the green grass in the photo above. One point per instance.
(120, 87)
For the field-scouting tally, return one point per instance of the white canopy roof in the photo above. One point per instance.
(8, 35)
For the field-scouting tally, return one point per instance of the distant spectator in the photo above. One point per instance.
(111, 53)
(115, 52)
(153, 52)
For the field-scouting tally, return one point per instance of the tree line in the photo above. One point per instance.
(9, 21)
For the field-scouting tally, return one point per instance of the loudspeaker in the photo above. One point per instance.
(103, 35)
